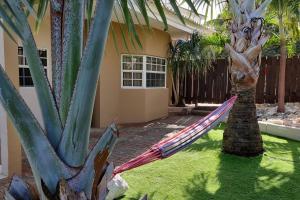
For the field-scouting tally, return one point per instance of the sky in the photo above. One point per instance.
(202, 10)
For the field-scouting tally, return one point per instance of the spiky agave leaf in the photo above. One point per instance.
(74, 143)
(48, 168)
(71, 51)
(18, 22)
(83, 181)
(19, 189)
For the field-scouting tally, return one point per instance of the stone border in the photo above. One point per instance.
(280, 130)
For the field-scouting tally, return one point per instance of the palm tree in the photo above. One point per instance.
(62, 166)
(175, 64)
(199, 57)
(189, 57)
(242, 135)
(289, 10)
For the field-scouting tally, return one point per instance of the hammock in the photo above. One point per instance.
(174, 143)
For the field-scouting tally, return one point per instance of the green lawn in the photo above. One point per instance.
(203, 172)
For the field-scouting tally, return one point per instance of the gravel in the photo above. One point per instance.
(291, 116)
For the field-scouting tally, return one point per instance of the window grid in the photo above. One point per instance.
(132, 71)
(25, 79)
(155, 68)
(150, 73)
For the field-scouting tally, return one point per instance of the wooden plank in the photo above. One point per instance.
(215, 86)
(201, 95)
(228, 86)
(288, 80)
(297, 89)
(277, 66)
(271, 76)
(293, 81)
(261, 82)
(223, 81)
(208, 86)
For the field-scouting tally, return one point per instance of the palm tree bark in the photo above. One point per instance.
(177, 86)
(174, 89)
(283, 55)
(242, 136)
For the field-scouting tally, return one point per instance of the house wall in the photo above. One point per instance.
(10, 146)
(116, 104)
(143, 105)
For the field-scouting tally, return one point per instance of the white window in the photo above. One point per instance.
(132, 67)
(25, 79)
(143, 71)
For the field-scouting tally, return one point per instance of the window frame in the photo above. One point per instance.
(144, 72)
(24, 66)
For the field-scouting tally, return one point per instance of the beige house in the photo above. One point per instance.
(133, 86)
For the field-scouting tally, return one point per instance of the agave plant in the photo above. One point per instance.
(62, 165)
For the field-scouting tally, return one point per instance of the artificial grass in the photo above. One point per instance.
(203, 172)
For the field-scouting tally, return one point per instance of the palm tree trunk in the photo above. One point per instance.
(283, 54)
(174, 89)
(185, 86)
(181, 102)
(192, 83)
(178, 85)
(198, 88)
(242, 136)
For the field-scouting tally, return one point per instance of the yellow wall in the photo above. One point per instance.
(13, 144)
(156, 103)
(143, 105)
(129, 105)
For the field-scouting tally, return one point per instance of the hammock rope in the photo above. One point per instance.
(182, 139)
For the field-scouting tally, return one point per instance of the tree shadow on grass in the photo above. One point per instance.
(240, 178)
(205, 144)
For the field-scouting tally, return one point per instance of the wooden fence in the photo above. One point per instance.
(215, 85)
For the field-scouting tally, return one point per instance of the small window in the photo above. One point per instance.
(132, 71)
(143, 71)
(155, 72)
(25, 79)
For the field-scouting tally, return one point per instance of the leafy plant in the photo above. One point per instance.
(62, 166)
(192, 56)
(287, 13)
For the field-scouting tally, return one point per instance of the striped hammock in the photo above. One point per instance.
(175, 143)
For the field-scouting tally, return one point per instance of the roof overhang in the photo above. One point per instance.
(176, 28)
